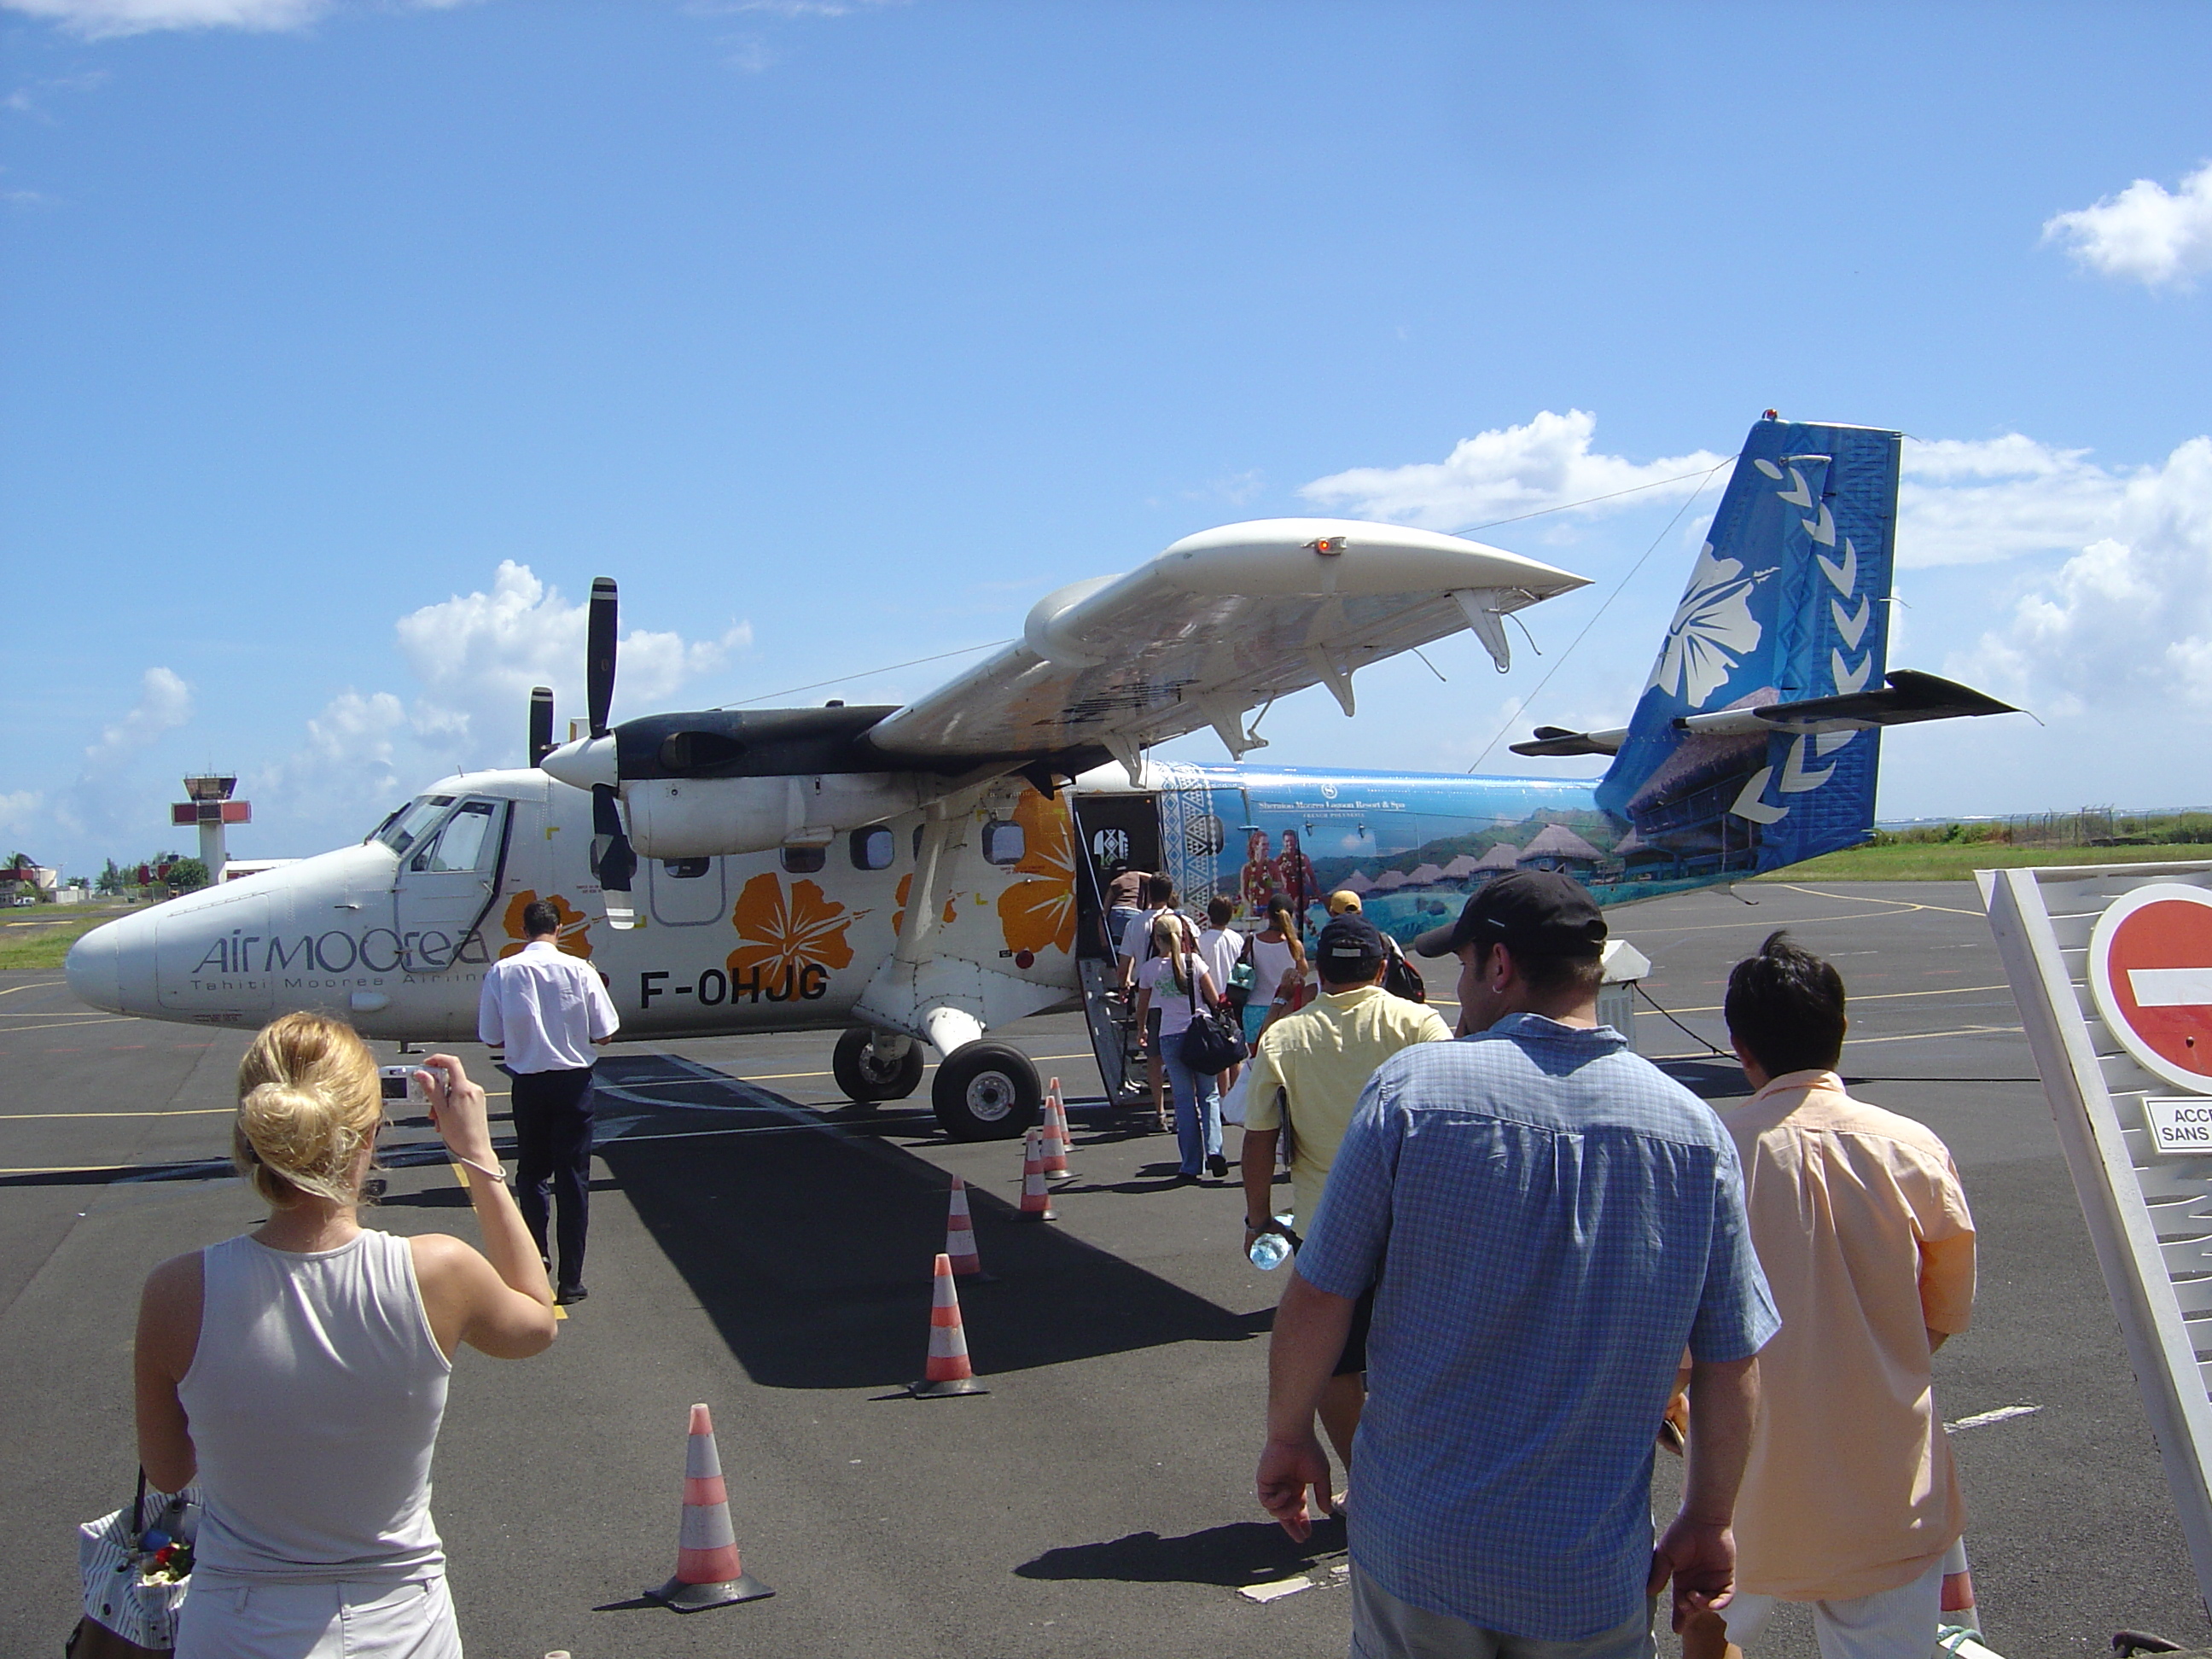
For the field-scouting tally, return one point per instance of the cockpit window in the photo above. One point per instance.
(402, 829)
(461, 844)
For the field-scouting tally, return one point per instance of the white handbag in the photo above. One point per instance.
(118, 1597)
(1232, 1103)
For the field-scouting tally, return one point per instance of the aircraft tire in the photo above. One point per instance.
(864, 1079)
(987, 1092)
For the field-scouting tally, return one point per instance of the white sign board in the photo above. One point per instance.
(2111, 967)
(2179, 1125)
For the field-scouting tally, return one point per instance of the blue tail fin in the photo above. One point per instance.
(1786, 602)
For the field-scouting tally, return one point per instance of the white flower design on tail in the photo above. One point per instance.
(1713, 631)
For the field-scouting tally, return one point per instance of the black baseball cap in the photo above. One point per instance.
(1535, 911)
(1349, 948)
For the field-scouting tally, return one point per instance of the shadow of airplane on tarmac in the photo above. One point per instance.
(1708, 1079)
(1241, 1553)
(810, 1246)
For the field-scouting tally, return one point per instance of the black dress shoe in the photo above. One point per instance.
(569, 1293)
(1218, 1164)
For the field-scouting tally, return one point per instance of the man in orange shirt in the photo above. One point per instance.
(1850, 1500)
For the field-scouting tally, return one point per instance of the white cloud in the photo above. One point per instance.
(18, 811)
(108, 797)
(30, 98)
(345, 774)
(103, 19)
(2146, 234)
(1967, 502)
(786, 8)
(478, 654)
(474, 659)
(165, 702)
(2127, 620)
(1509, 473)
(100, 19)
(749, 55)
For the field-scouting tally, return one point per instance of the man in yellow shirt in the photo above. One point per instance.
(1850, 1500)
(1307, 1071)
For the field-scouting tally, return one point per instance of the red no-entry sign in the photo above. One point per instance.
(2150, 971)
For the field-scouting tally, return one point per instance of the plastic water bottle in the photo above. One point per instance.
(1271, 1249)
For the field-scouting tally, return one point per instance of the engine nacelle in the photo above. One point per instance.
(707, 818)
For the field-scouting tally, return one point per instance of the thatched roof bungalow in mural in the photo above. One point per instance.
(1556, 847)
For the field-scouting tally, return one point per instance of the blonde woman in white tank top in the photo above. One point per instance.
(298, 1371)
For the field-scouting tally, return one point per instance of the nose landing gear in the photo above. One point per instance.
(873, 1066)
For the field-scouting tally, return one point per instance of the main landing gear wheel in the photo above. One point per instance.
(865, 1073)
(987, 1092)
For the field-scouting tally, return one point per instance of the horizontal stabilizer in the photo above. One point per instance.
(1557, 740)
(1909, 698)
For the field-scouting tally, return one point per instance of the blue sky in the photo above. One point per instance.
(345, 342)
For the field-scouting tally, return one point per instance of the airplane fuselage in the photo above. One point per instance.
(395, 934)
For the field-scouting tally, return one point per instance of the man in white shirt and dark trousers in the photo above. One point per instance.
(546, 1009)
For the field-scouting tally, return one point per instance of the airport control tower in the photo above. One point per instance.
(211, 808)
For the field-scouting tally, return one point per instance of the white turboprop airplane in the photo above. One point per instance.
(924, 874)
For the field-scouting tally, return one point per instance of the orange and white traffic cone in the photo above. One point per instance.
(948, 1371)
(1958, 1603)
(1036, 1202)
(960, 1235)
(708, 1571)
(1057, 1143)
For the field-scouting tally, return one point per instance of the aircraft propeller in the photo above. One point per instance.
(613, 857)
(541, 722)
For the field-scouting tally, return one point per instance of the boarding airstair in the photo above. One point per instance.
(1113, 1034)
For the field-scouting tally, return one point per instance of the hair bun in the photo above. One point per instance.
(308, 1102)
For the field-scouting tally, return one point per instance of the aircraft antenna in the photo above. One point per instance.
(1666, 530)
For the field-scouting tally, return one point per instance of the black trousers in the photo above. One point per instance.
(553, 1152)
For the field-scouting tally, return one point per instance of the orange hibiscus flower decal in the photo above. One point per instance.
(1039, 914)
(789, 941)
(905, 889)
(574, 937)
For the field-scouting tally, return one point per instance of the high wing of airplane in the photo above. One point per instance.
(920, 875)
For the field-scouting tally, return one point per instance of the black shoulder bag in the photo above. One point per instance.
(1400, 977)
(1210, 1043)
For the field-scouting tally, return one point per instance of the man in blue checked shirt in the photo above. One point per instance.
(1548, 1221)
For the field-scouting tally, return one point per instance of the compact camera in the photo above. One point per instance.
(400, 1083)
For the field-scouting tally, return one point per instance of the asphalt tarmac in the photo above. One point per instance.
(760, 1245)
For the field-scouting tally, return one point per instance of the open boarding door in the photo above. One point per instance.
(1112, 829)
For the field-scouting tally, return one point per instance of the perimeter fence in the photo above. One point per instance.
(2088, 826)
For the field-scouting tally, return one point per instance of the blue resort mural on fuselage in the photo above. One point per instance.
(1411, 845)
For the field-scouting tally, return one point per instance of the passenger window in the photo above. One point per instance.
(685, 869)
(804, 860)
(1003, 843)
(460, 844)
(872, 848)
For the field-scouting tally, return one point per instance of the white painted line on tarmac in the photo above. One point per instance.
(1874, 996)
(193, 1111)
(2002, 1415)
